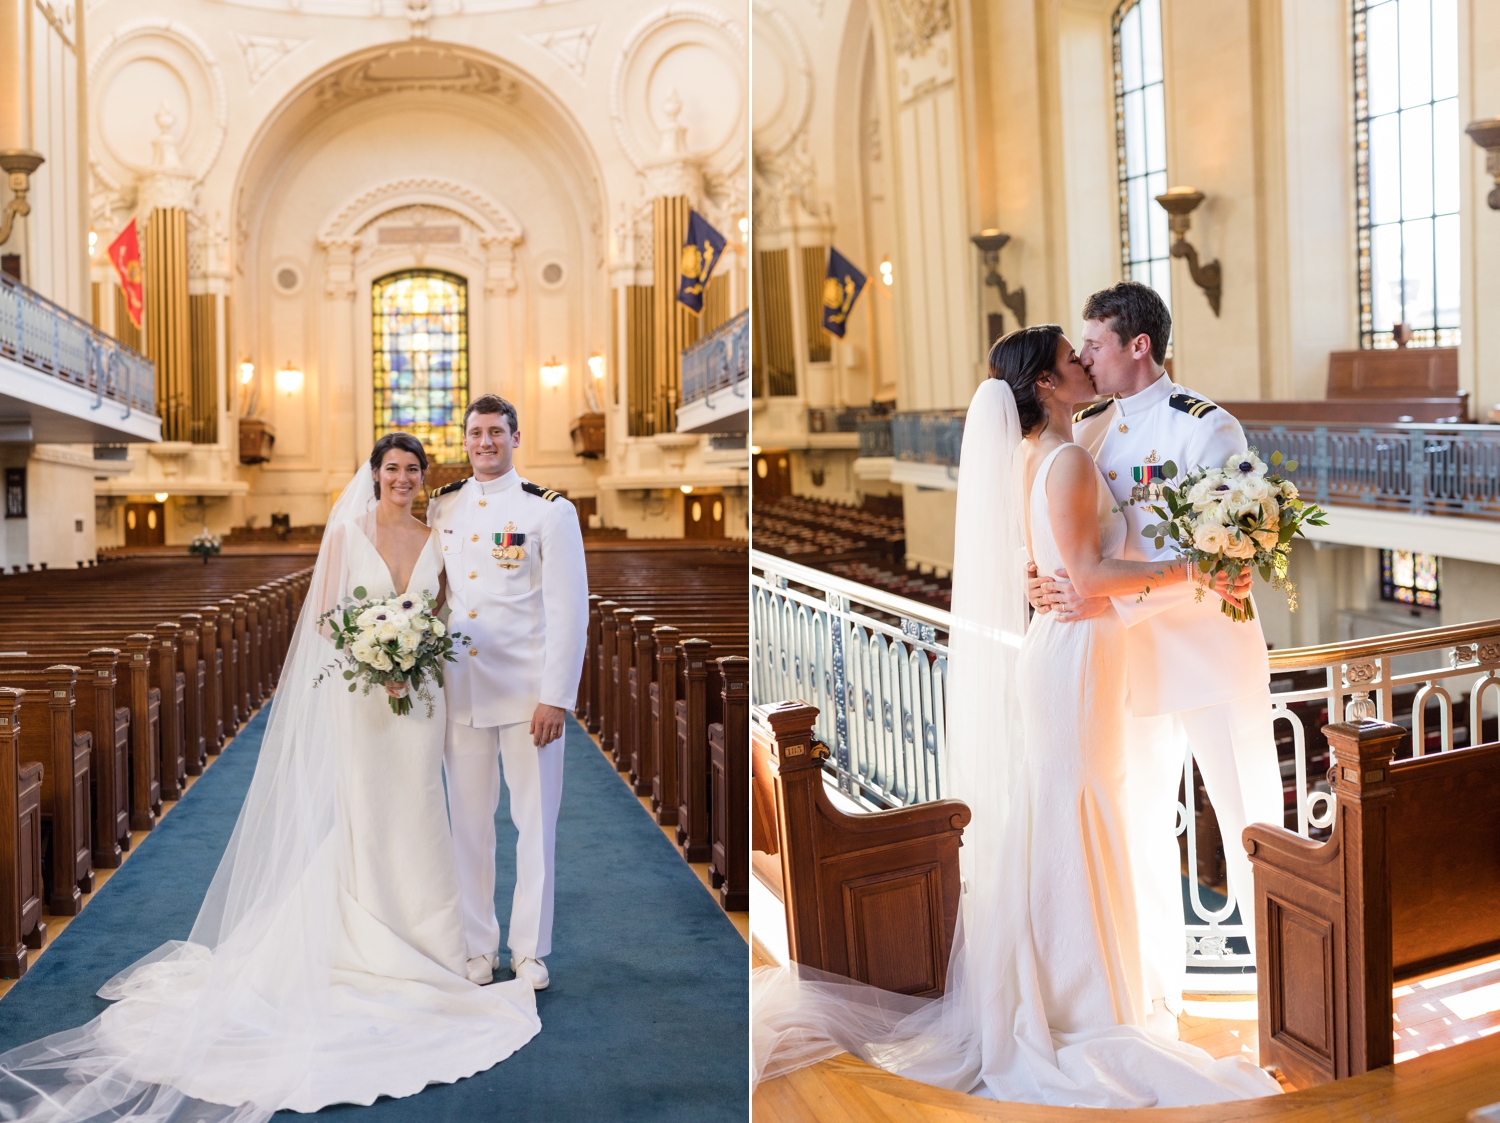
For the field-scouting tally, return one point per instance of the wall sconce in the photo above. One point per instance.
(288, 379)
(93, 243)
(744, 225)
(1180, 202)
(1486, 134)
(19, 163)
(160, 497)
(990, 243)
(886, 275)
(553, 373)
(247, 373)
(596, 366)
(687, 489)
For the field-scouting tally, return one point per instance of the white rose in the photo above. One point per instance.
(1239, 546)
(437, 626)
(364, 650)
(1288, 490)
(405, 662)
(1211, 538)
(387, 630)
(1265, 539)
(1201, 494)
(1270, 514)
(1253, 487)
(408, 641)
(381, 660)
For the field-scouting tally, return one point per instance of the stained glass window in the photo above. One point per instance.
(1141, 145)
(421, 336)
(1406, 133)
(1409, 578)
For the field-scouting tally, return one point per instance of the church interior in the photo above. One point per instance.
(241, 242)
(1311, 187)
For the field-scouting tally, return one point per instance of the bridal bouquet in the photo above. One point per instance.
(1230, 519)
(393, 641)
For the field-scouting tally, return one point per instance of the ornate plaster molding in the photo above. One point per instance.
(570, 46)
(793, 57)
(918, 23)
(263, 52)
(672, 13)
(492, 218)
(189, 39)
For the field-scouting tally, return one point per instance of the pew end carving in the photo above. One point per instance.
(872, 896)
(1394, 893)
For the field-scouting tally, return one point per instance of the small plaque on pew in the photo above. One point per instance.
(1352, 775)
(795, 750)
(1375, 777)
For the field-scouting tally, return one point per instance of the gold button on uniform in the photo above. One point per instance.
(473, 538)
(472, 614)
(1122, 427)
(1112, 474)
(473, 651)
(481, 502)
(472, 576)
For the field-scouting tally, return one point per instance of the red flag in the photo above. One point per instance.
(125, 255)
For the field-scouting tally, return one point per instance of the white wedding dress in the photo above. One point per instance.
(327, 961)
(1045, 1001)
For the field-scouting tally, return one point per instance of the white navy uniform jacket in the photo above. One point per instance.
(1183, 653)
(522, 601)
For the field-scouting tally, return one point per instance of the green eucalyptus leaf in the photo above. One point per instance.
(1276, 459)
(359, 592)
(1206, 565)
(348, 675)
(1169, 469)
(1160, 542)
(1291, 465)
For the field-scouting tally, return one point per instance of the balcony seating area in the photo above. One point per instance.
(818, 533)
(927, 589)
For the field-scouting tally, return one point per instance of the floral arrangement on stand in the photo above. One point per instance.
(1230, 519)
(206, 545)
(395, 642)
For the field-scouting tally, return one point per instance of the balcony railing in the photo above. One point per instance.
(875, 438)
(876, 666)
(928, 436)
(51, 340)
(1420, 469)
(718, 362)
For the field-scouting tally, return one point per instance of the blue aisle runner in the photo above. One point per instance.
(646, 1018)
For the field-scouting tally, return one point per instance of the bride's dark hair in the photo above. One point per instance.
(406, 443)
(1020, 358)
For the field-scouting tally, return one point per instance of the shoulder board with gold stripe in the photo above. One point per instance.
(446, 488)
(1193, 407)
(1093, 410)
(538, 490)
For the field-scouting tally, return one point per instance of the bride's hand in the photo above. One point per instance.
(1236, 592)
(1059, 597)
(396, 689)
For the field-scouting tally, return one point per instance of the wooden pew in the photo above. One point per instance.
(21, 924)
(1406, 884)
(108, 724)
(729, 754)
(48, 738)
(870, 896)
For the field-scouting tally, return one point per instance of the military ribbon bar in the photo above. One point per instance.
(1145, 473)
(841, 288)
(701, 251)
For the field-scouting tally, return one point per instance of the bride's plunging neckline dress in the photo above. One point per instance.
(401, 1013)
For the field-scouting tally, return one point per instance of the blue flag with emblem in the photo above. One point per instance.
(841, 288)
(701, 251)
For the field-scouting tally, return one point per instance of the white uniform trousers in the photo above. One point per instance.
(1235, 748)
(472, 759)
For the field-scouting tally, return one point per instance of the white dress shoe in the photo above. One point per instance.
(534, 971)
(481, 971)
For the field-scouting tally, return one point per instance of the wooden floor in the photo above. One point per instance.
(1453, 1013)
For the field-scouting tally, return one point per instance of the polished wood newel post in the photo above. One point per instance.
(1323, 921)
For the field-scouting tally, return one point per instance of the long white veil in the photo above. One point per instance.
(989, 1033)
(801, 1015)
(228, 1008)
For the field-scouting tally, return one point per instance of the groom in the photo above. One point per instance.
(1195, 676)
(518, 589)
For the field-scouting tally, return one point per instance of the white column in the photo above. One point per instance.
(346, 434)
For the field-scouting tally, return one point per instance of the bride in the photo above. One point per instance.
(1045, 1000)
(327, 963)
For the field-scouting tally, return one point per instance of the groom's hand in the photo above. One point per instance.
(1062, 599)
(546, 724)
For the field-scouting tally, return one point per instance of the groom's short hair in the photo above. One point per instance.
(493, 403)
(1133, 309)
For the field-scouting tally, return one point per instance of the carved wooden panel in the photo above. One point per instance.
(1302, 983)
(890, 920)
